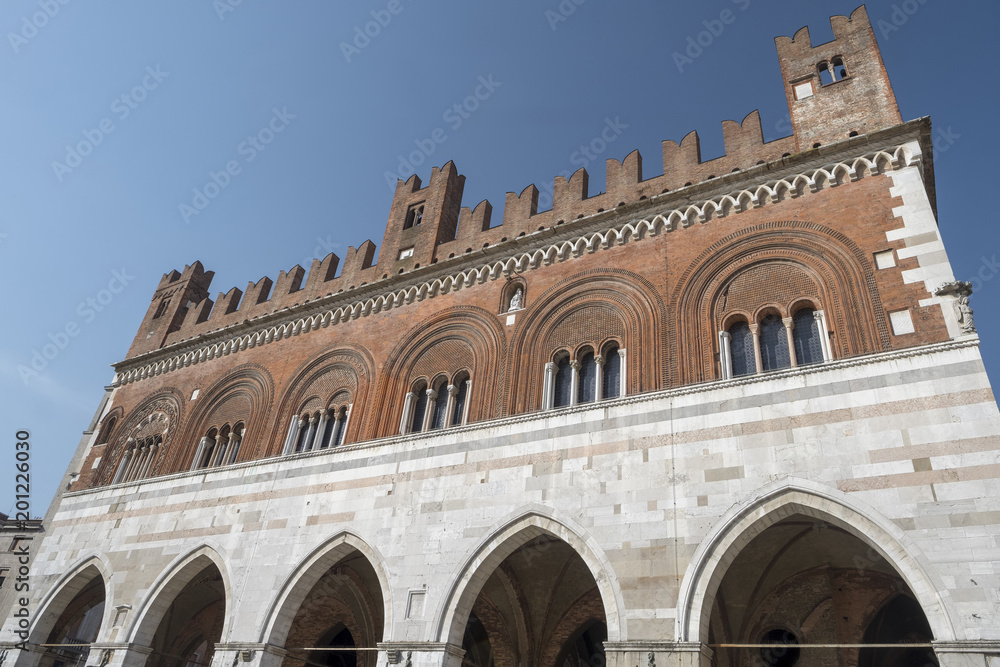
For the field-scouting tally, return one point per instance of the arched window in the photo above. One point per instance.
(223, 447)
(741, 342)
(806, 336)
(611, 382)
(338, 434)
(440, 399)
(306, 425)
(419, 407)
(461, 396)
(330, 430)
(211, 440)
(773, 343)
(236, 439)
(563, 383)
(106, 431)
(586, 389)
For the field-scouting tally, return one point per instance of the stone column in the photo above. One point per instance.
(548, 385)
(307, 441)
(404, 422)
(622, 390)
(293, 431)
(450, 408)
(824, 335)
(789, 325)
(346, 421)
(317, 441)
(757, 357)
(574, 381)
(468, 401)
(419, 654)
(657, 653)
(726, 355)
(120, 473)
(429, 410)
(599, 377)
(198, 453)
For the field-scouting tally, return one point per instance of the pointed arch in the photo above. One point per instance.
(66, 588)
(501, 542)
(777, 501)
(278, 617)
(170, 584)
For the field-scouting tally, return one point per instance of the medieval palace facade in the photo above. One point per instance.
(732, 415)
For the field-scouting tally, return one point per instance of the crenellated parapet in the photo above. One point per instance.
(835, 91)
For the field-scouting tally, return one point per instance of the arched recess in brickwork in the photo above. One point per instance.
(534, 528)
(805, 252)
(779, 501)
(243, 395)
(462, 339)
(177, 579)
(590, 308)
(323, 585)
(109, 425)
(63, 601)
(158, 416)
(343, 375)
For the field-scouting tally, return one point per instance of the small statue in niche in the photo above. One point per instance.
(964, 312)
(515, 301)
(961, 290)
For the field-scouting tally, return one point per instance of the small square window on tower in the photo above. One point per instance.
(885, 260)
(414, 216)
(902, 322)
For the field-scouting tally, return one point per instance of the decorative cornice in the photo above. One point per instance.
(648, 397)
(321, 317)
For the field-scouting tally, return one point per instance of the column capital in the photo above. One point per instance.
(788, 322)
(550, 366)
(431, 393)
(575, 365)
(725, 334)
(452, 390)
(598, 359)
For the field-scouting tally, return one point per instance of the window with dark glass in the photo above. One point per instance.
(741, 349)
(419, 408)
(587, 382)
(611, 383)
(563, 383)
(806, 336)
(773, 344)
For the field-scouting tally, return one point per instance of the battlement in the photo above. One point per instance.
(834, 91)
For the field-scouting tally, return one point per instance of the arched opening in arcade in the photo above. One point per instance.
(805, 592)
(540, 606)
(341, 617)
(192, 623)
(68, 643)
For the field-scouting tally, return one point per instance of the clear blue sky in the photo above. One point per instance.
(211, 74)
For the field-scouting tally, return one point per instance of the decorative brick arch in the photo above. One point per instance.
(244, 394)
(463, 338)
(318, 380)
(110, 425)
(843, 276)
(740, 525)
(589, 307)
(167, 404)
(487, 556)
